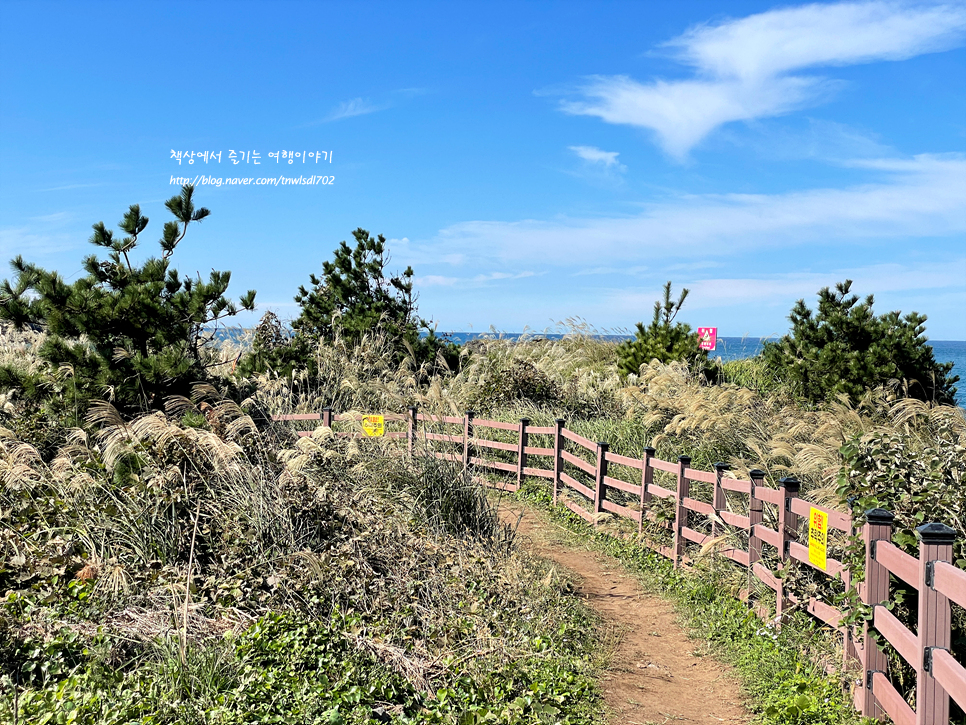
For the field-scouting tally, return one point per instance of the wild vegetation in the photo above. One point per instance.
(171, 555)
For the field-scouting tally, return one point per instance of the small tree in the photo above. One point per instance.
(354, 286)
(355, 294)
(663, 340)
(131, 333)
(846, 348)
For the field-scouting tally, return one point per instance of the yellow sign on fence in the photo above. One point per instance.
(818, 538)
(374, 425)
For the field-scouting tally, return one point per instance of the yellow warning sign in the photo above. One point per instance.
(373, 425)
(818, 538)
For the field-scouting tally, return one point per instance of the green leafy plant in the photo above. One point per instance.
(663, 340)
(134, 333)
(845, 348)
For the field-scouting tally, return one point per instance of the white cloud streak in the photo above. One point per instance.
(744, 69)
(594, 155)
(783, 289)
(355, 107)
(918, 197)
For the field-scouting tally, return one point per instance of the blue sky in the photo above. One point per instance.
(533, 162)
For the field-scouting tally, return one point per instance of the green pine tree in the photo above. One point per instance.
(355, 295)
(130, 333)
(845, 348)
(663, 340)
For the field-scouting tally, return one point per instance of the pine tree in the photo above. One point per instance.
(355, 295)
(845, 348)
(663, 340)
(131, 333)
(355, 288)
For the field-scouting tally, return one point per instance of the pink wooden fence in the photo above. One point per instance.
(580, 473)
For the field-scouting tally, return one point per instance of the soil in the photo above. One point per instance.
(655, 673)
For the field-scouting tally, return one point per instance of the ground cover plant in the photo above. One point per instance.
(157, 572)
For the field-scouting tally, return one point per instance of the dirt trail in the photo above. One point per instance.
(656, 675)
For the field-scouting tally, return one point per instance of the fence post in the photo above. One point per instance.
(411, 430)
(787, 532)
(875, 590)
(647, 478)
(601, 472)
(718, 496)
(558, 443)
(522, 450)
(327, 417)
(467, 434)
(935, 625)
(681, 513)
(756, 515)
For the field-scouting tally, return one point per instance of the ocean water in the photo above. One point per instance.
(737, 348)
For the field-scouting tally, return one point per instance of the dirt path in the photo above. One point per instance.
(656, 675)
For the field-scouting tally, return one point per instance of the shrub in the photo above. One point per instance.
(519, 381)
(662, 340)
(844, 348)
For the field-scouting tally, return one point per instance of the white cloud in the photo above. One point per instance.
(780, 289)
(921, 197)
(594, 155)
(21, 240)
(493, 276)
(355, 107)
(609, 271)
(744, 68)
(435, 280)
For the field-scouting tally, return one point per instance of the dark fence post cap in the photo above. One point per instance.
(328, 407)
(880, 516)
(561, 421)
(650, 451)
(470, 413)
(790, 483)
(756, 473)
(936, 533)
(603, 445)
(684, 459)
(721, 466)
(413, 407)
(524, 420)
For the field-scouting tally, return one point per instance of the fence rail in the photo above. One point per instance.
(580, 471)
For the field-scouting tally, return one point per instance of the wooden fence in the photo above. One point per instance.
(587, 476)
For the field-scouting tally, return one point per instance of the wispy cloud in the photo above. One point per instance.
(23, 240)
(594, 155)
(70, 187)
(610, 271)
(919, 197)
(435, 280)
(784, 288)
(355, 107)
(746, 69)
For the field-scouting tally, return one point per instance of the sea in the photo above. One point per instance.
(737, 348)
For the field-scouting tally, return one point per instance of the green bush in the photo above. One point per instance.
(844, 348)
(662, 340)
(354, 296)
(131, 333)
